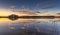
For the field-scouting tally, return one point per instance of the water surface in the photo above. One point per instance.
(30, 27)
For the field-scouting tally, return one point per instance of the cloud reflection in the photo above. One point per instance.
(26, 26)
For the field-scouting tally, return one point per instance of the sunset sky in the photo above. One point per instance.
(41, 5)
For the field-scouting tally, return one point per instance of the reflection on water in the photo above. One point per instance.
(30, 27)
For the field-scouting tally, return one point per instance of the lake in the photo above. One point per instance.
(30, 27)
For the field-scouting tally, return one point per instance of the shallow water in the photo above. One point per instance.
(30, 27)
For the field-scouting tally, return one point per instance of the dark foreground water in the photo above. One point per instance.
(30, 27)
